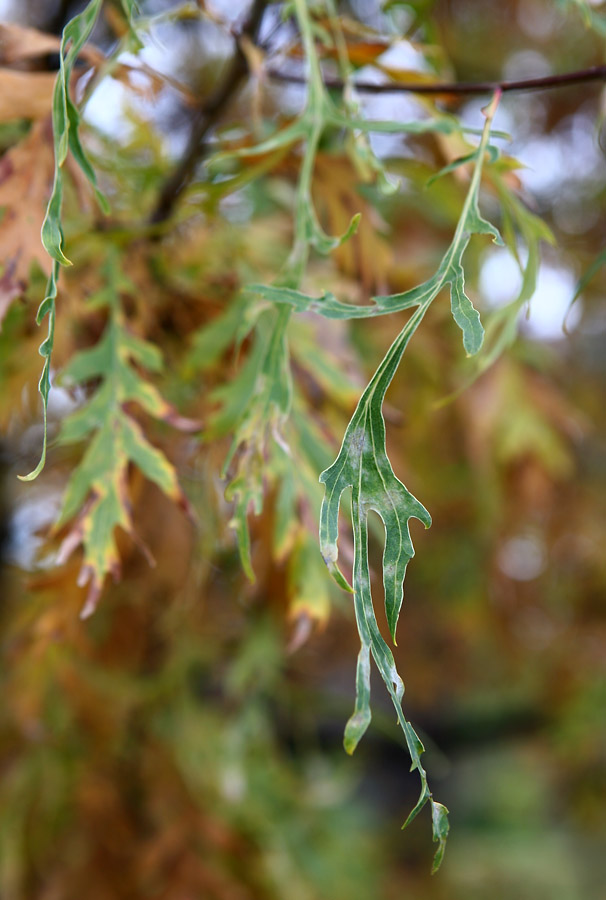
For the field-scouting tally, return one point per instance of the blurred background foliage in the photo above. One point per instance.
(185, 741)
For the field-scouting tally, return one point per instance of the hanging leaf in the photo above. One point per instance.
(66, 122)
(97, 493)
(46, 308)
(363, 466)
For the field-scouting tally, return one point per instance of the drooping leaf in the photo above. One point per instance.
(97, 493)
(258, 404)
(66, 120)
(588, 275)
(363, 466)
(518, 224)
(46, 308)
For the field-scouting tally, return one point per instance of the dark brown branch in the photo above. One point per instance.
(206, 116)
(596, 73)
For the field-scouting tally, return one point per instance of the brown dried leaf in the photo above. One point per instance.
(367, 256)
(26, 175)
(18, 43)
(25, 95)
(361, 53)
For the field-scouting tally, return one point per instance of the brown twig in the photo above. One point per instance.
(206, 116)
(596, 73)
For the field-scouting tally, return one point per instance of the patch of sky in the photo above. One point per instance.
(32, 516)
(399, 107)
(500, 282)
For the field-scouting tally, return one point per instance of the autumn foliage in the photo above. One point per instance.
(271, 349)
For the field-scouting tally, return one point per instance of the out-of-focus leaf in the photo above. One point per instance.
(518, 222)
(491, 151)
(212, 340)
(46, 308)
(26, 174)
(18, 43)
(593, 18)
(66, 120)
(97, 492)
(263, 399)
(588, 275)
(25, 95)
(308, 585)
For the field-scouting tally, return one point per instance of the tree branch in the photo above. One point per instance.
(596, 73)
(209, 113)
(206, 116)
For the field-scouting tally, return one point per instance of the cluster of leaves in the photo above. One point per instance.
(277, 447)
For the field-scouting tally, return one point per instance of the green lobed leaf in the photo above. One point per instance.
(97, 491)
(363, 465)
(65, 120)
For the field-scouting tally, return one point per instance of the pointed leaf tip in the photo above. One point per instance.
(440, 828)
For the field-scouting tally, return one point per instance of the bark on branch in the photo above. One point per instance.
(596, 73)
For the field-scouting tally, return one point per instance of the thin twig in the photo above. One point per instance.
(206, 116)
(596, 73)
